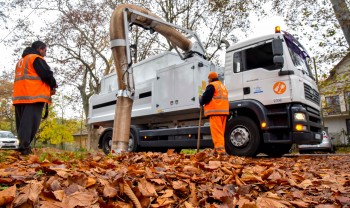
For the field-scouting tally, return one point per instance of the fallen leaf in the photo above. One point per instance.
(59, 194)
(109, 192)
(29, 192)
(83, 199)
(7, 195)
(146, 188)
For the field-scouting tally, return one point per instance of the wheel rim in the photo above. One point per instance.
(240, 136)
(131, 143)
(109, 144)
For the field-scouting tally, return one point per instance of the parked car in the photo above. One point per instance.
(325, 146)
(8, 140)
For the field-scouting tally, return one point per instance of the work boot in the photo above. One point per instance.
(26, 151)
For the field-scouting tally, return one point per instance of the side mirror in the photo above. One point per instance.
(277, 47)
(277, 51)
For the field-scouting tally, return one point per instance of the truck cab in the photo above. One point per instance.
(270, 84)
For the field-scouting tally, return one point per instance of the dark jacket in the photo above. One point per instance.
(41, 68)
(208, 94)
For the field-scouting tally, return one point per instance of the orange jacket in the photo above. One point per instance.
(219, 103)
(28, 86)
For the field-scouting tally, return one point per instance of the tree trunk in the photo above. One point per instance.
(342, 14)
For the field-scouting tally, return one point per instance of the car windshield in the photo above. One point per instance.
(6, 135)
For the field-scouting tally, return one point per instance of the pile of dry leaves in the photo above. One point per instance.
(149, 179)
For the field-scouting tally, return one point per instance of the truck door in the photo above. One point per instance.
(261, 80)
(233, 75)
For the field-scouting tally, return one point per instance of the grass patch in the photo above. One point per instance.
(189, 151)
(343, 149)
(4, 154)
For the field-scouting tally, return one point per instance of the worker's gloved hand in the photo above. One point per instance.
(200, 100)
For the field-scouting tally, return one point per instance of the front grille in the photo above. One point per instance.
(8, 142)
(311, 94)
(9, 147)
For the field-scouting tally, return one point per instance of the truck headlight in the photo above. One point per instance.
(299, 117)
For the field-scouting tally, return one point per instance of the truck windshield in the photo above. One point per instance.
(299, 57)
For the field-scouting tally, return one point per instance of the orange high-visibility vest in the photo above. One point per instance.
(219, 104)
(28, 86)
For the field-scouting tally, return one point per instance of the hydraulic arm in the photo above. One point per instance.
(122, 17)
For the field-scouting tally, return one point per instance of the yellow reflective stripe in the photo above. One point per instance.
(220, 98)
(216, 111)
(27, 78)
(31, 97)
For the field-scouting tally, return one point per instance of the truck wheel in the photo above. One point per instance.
(276, 150)
(132, 142)
(242, 137)
(107, 142)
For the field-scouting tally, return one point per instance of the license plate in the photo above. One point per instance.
(317, 136)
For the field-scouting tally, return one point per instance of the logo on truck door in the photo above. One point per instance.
(279, 87)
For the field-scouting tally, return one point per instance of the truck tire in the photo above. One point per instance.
(276, 150)
(107, 142)
(242, 137)
(132, 141)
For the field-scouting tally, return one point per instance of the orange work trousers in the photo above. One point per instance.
(217, 130)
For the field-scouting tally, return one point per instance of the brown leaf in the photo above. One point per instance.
(213, 165)
(90, 182)
(190, 169)
(6, 180)
(51, 204)
(146, 188)
(158, 181)
(300, 204)
(193, 197)
(83, 199)
(343, 200)
(109, 192)
(7, 195)
(34, 159)
(219, 194)
(148, 173)
(188, 205)
(168, 193)
(266, 202)
(306, 183)
(164, 201)
(180, 185)
(239, 182)
(59, 194)
(55, 185)
(249, 177)
(29, 192)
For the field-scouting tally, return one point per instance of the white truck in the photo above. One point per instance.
(274, 101)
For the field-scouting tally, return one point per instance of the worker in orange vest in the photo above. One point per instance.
(216, 106)
(33, 87)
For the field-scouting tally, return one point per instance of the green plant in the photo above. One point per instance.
(3, 187)
(4, 154)
(189, 151)
(39, 173)
(343, 149)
